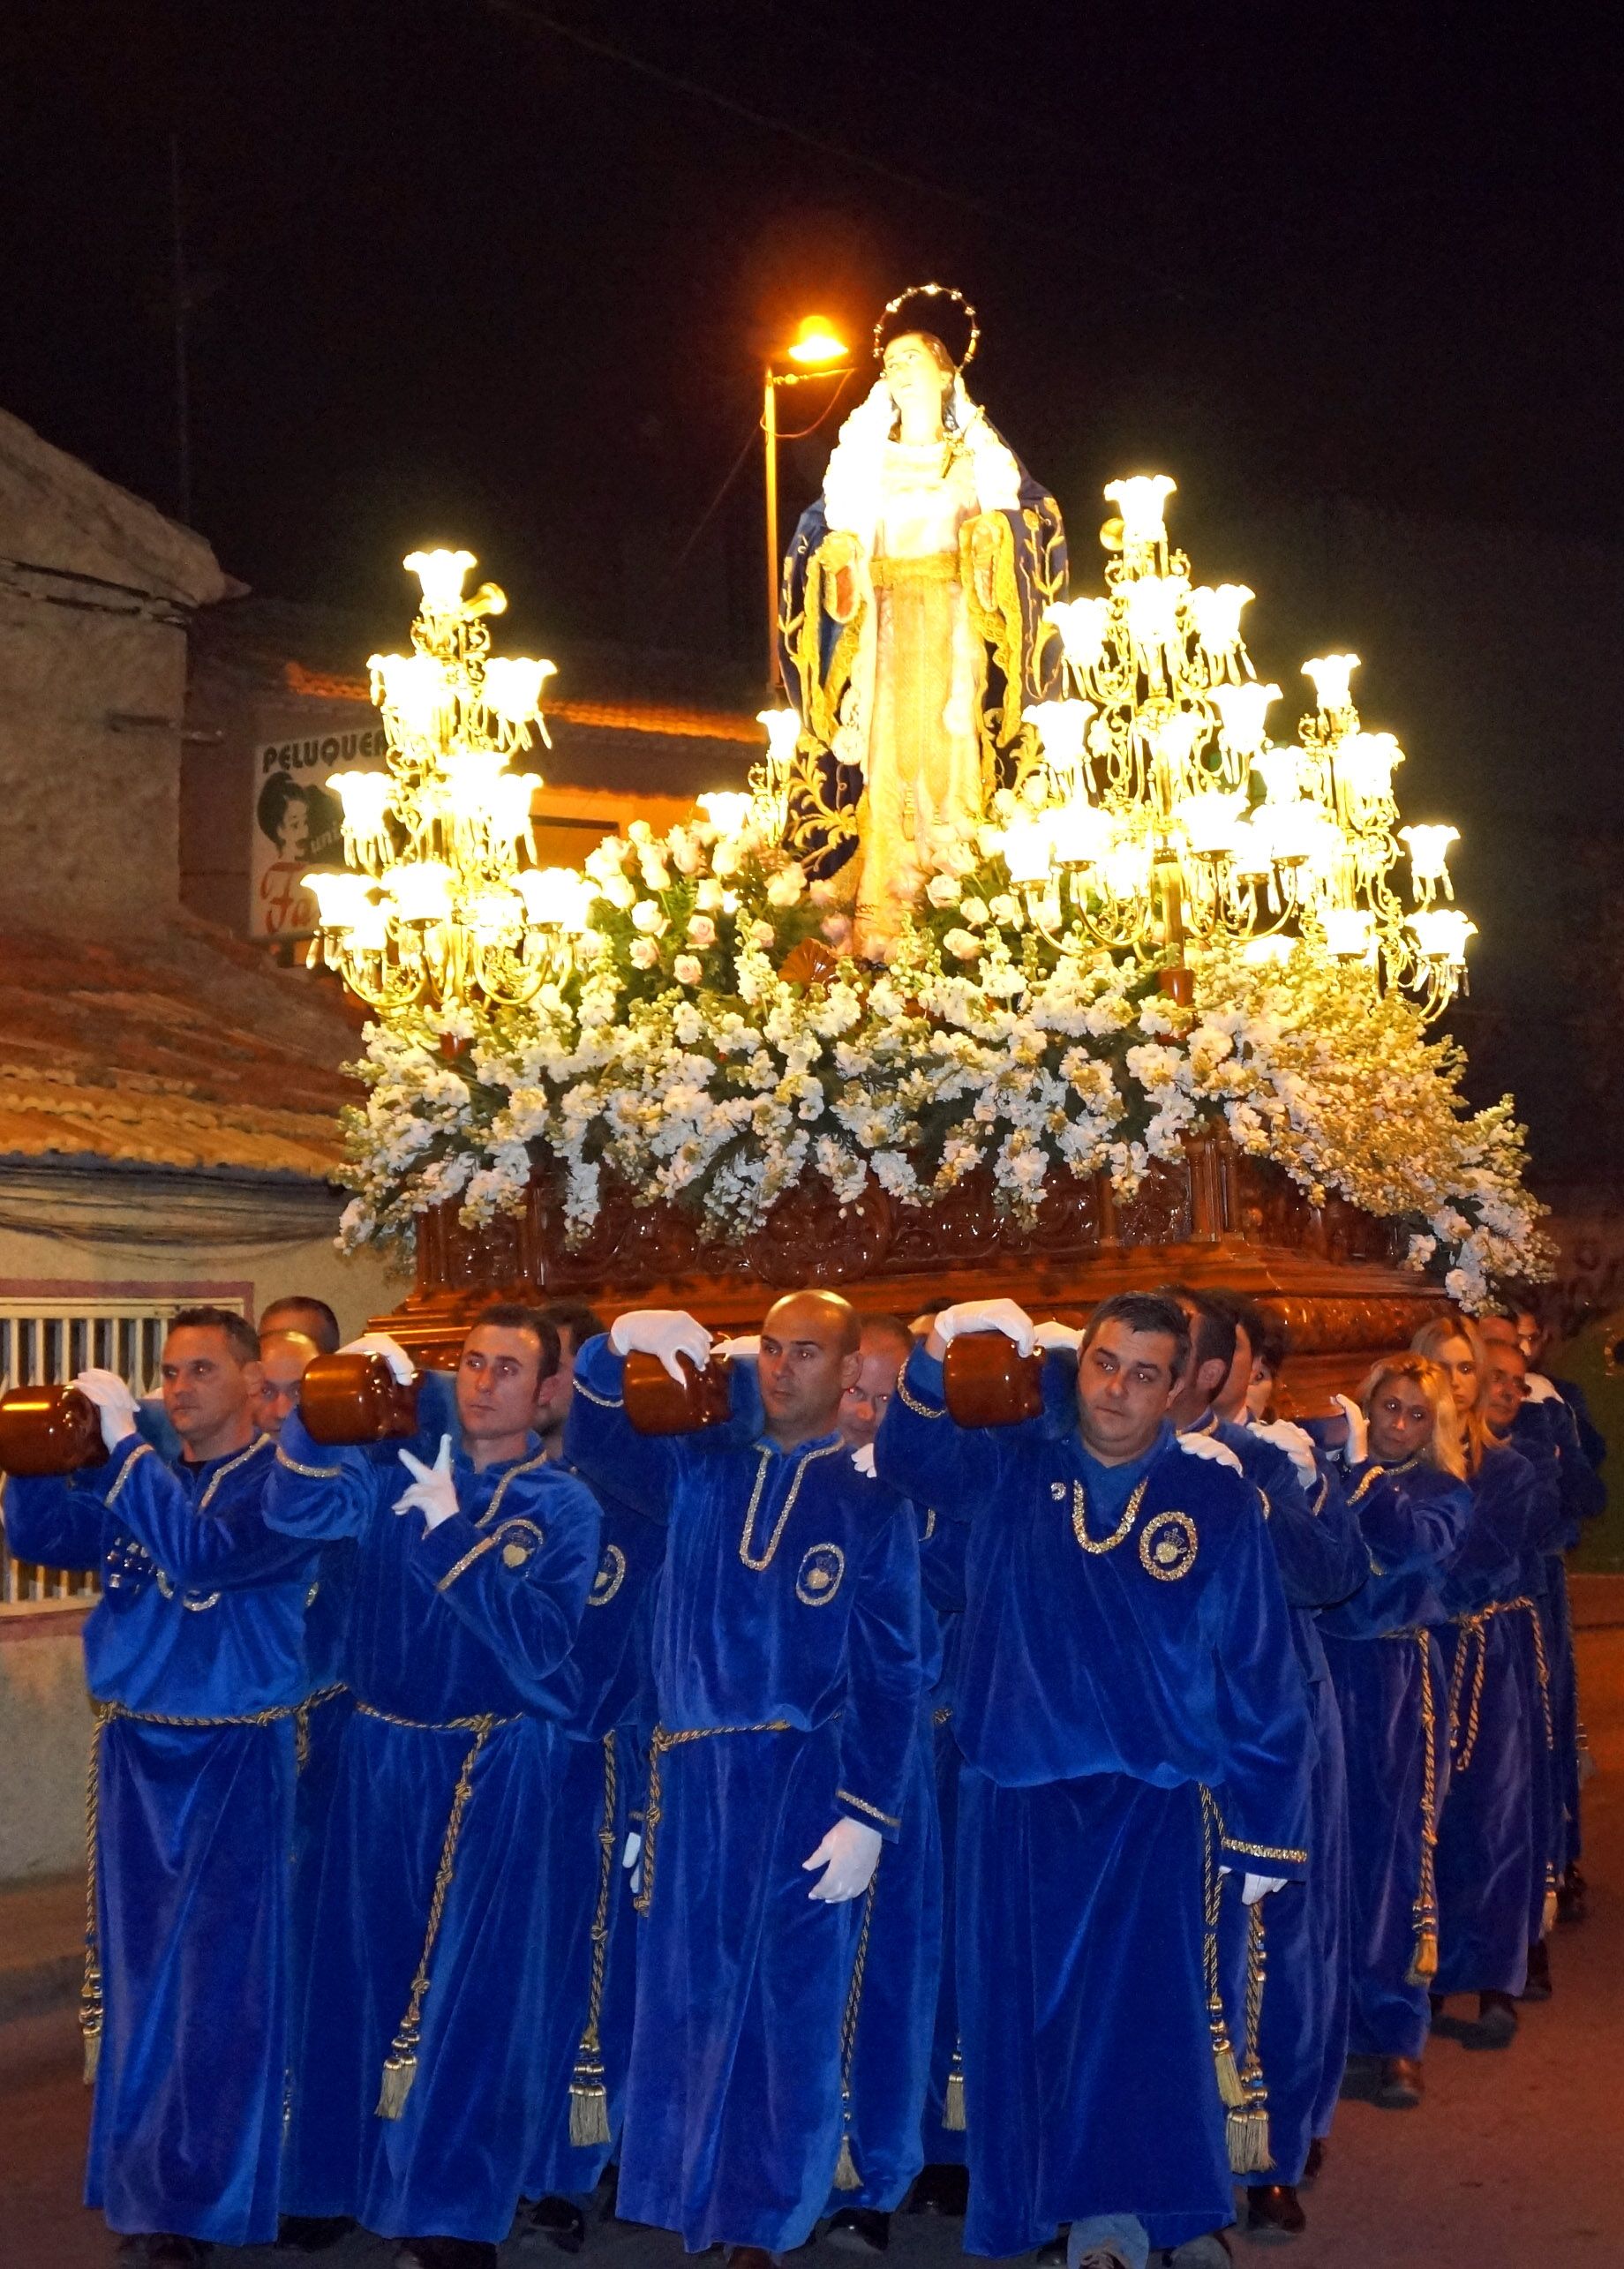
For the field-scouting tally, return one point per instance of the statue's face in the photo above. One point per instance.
(913, 373)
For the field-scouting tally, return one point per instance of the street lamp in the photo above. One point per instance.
(817, 351)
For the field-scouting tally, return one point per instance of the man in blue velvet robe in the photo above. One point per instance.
(417, 2072)
(196, 1665)
(786, 1675)
(1133, 1717)
(1303, 2035)
(586, 2015)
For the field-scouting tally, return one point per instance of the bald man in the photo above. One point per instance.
(787, 1677)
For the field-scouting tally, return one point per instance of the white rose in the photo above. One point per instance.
(942, 890)
(963, 944)
(656, 874)
(688, 969)
(725, 857)
(647, 917)
(975, 910)
(644, 953)
(701, 931)
(1005, 911)
(708, 895)
(763, 933)
(785, 886)
(685, 854)
(619, 892)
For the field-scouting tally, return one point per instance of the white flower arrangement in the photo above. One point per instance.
(710, 1048)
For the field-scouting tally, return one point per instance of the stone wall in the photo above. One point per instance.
(44, 1742)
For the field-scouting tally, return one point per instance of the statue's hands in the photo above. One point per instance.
(983, 531)
(840, 552)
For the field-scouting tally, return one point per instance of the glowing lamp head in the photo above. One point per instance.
(1272, 952)
(443, 574)
(1366, 763)
(1429, 853)
(1125, 869)
(1153, 602)
(1025, 848)
(1298, 834)
(492, 916)
(1349, 933)
(1081, 834)
(512, 688)
(507, 810)
(1218, 616)
(345, 902)
(556, 898)
(1440, 933)
(727, 809)
(1280, 771)
(1177, 738)
(420, 888)
(1243, 712)
(366, 798)
(1083, 624)
(783, 729)
(1063, 728)
(1329, 674)
(1211, 820)
(1249, 851)
(817, 345)
(412, 688)
(1140, 503)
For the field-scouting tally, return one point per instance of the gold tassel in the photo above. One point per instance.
(400, 2070)
(93, 2052)
(1547, 1912)
(588, 2105)
(1230, 2088)
(1424, 1963)
(952, 2098)
(847, 2176)
(1247, 2131)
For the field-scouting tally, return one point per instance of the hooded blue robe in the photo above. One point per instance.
(788, 1678)
(941, 1573)
(1129, 1707)
(195, 1659)
(417, 2072)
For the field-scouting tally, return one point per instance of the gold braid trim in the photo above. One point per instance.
(665, 1738)
(910, 1401)
(399, 2069)
(91, 2012)
(847, 2176)
(589, 2098)
(301, 1723)
(309, 1472)
(845, 1796)
(757, 1567)
(1544, 1668)
(460, 1567)
(514, 1473)
(1266, 1852)
(601, 1402)
(259, 1442)
(141, 1450)
(1424, 1962)
(1229, 2091)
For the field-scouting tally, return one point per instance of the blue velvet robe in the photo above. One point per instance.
(942, 1572)
(790, 1599)
(201, 1617)
(1302, 2036)
(891, 2061)
(604, 1753)
(1100, 1692)
(1550, 1430)
(1392, 1691)
(459, 1659)
(1494, 1833)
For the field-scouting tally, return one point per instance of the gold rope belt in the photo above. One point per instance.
(589, 2096)
(1423, 1961)
(1240, 2087)
(1473, 1631)
(399, 2069)
(847, 2176)
(666, 1738)
(933, 568)
(91, 2010)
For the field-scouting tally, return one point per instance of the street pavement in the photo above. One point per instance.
(1514, 2158)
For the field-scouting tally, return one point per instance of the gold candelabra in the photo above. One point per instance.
(440, 900)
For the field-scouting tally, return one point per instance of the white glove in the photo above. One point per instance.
(1540, 1389)
(434, 1490)
(1053, 1337)
(1256, 1887)
(116, 1406)
(848, 1855)
(744, 1349)
(1296, 1444)
(863, 1459)
(1358, 1430)
(1208, 1446)
(1003, 1316)
(665, 1332)
(631, 1860)
(393, 1353)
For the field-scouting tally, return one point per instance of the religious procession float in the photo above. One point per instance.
(1035, 960)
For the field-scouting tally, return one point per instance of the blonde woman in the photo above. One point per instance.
(1407, 1483)
(1493, 1834)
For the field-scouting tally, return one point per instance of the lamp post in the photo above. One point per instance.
(816, 351)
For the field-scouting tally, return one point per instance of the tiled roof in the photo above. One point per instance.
(663, 717)
(189, 1050)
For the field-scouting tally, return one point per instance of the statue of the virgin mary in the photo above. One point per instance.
(912, 622)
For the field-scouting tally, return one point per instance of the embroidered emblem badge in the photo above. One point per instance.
(1167, 1546)
(611, 1575)
(820, 1575)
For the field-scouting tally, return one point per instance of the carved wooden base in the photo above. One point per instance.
(1330, 1271)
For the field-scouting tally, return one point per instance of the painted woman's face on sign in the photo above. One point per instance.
(293, 832)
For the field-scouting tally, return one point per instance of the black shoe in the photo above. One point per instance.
(312, 2233)
(1361, 2078)
(1497, 2023)
(859, 2229)
(940, 2188)
(1539, 1987)
(1572, 1898)
(445, 2253)
(559, 2221)
(1400, 2086)
(606, 2197)
(1313, 2165)
(1052, 2255)
(163, 2248)
(1273, 2213)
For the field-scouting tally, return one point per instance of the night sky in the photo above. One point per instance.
(505, 274)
